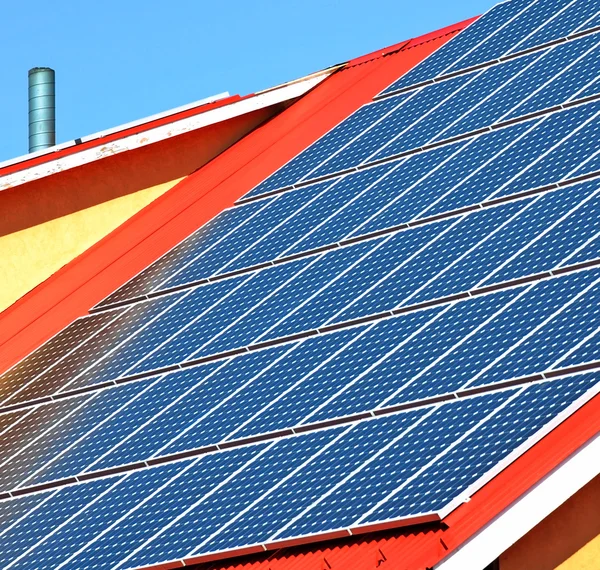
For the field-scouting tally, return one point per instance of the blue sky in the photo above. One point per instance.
(117, 61)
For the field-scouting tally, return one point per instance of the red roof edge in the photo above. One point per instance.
(408, 44)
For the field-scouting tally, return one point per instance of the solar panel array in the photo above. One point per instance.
(369, 335)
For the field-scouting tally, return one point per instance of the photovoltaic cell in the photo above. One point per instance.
(324, 206)
(462, 44)
(502, 433)
(544, 75)
(508, 38)
(64, 373)
(335, 139)
(19, 465)
(64, 542)
(407, 116)
(187, 309)
(201, 241)
(443, 282)
(199, 506)
(57, 348)
(577, 17)
(56, 509)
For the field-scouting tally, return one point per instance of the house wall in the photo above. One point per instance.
(31, 255)
(568, 539)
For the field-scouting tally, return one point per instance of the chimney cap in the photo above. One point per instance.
(37, 69)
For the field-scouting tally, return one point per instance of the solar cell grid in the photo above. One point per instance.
(97, 515)
(178, 316)
(593, 22)
(284, 208)
(57, 348)
(422, 104)
(55, 509)
(271, 244)
(536, 87)
(65, 372)
(456, 49)
(325, 390)
(498, 436)
(225, 315)
(585, 351)
(369, 348)
(578, 16)
(494, 113)
(201, 241)
(193, 496)
(510, 38)
(335, 296)
(23, 465)
(284, 237)
(572, 85)
(364, 118)
(512, 28)
(31, 426)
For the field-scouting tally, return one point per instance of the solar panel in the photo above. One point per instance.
(368, 336)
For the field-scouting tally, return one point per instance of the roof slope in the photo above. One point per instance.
(380, 330)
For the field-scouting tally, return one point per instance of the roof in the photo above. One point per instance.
(367, 331)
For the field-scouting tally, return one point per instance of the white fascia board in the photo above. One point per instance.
(527, 511)
(67, 144)
(157, 116)
(285, 93)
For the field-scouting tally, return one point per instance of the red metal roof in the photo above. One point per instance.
(88, 279)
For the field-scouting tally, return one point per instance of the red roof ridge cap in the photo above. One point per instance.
(413, 42)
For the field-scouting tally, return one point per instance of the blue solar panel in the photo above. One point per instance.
(406, 117)
(55, 508)
(140, 406)
(509, 28)
(408, 358)
(362, 349)
(66, 372)
(508, 38)
(545, 71)
(202, 241)
(227, 251)
(578, 16)
(179, 509)
(333, 141)
(282, 241)
(502, 433)
(57, 348)
(457, 48)
(25, 460)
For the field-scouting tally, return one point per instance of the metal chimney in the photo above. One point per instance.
(42, 126)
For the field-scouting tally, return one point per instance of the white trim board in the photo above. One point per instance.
(152, 135)
(67, 144)
(527, 511)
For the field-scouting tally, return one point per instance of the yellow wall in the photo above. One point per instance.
(31, 255)
(568, 539)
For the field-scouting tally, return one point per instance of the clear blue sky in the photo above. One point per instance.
(117, 61)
